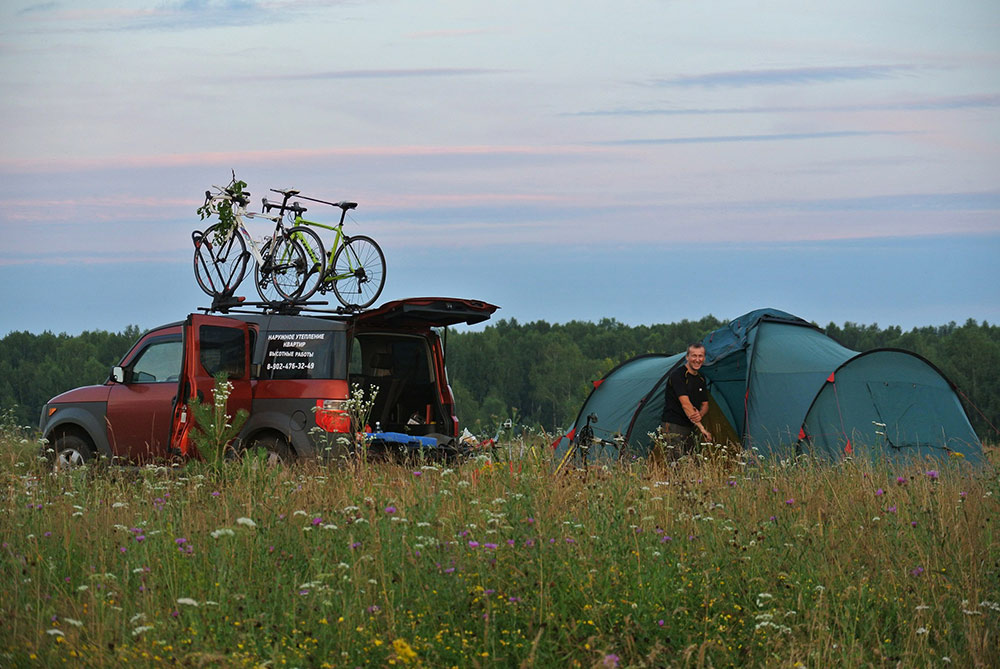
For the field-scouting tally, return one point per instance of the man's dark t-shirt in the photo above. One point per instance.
(683, 382)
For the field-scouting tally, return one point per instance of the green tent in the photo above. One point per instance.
(781, 388)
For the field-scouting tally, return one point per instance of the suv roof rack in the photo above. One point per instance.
(224, 304)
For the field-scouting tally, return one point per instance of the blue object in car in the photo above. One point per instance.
(400, 439)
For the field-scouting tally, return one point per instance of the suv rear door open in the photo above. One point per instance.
(213, 345)
(423, 313)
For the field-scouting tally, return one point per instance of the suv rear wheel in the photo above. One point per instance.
(71, 451)
(277, 449)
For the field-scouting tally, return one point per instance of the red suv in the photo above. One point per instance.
(292, 374)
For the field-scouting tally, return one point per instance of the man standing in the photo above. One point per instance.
(685, 407)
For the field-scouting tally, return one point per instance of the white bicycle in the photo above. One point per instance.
(289, 264)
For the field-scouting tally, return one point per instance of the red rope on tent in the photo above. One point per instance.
(569, 435)
(973, 405)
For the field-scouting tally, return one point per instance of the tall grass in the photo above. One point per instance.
(498, 565)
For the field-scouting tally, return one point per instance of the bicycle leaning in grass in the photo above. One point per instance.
(289, 264)
(355, 264)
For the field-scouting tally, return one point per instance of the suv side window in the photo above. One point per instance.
(303, 354)
(160, 361)
(355, 365)
(222, 350)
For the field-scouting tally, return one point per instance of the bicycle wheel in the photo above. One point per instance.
(219, 267)
(358, 272)
(315, 255)
(280, 279)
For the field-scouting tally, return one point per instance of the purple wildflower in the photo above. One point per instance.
(317, 520)
(917, 572)
(932, 474)
(610, 660)
(473, 544)
(790, 501)
(900, 480)
(390, 509)
(879, 492)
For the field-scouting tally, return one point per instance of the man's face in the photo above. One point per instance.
(695, 358)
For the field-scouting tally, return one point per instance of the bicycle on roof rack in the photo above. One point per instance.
(289, 263)
(354, 266)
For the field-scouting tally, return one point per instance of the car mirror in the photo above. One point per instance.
(118, 374)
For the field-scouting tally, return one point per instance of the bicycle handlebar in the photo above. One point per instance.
(295, 207)
(228, 194)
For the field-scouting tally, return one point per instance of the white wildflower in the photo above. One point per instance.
(73, 621)
(223, 532)
(142, 628)
(247, 522)
(55, 632)
(187, 601)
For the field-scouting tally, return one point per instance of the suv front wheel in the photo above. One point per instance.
(70, 452)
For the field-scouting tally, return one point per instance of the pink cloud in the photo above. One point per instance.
(227, 158)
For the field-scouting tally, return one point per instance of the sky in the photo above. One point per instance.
(646, 161)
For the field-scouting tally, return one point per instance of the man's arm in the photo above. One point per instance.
(694, 415)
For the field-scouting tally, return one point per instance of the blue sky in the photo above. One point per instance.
(644, 161)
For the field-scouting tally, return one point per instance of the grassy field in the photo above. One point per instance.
(503, 565)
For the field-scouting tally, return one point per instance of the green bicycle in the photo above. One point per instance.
(354, 268)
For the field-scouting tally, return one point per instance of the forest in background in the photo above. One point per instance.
(536, 374)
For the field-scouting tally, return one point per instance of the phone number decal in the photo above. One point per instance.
(281, 366)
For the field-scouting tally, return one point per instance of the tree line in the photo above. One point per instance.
(535, 374)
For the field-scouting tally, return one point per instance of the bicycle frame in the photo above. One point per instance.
(239, 214)
(338, 241)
